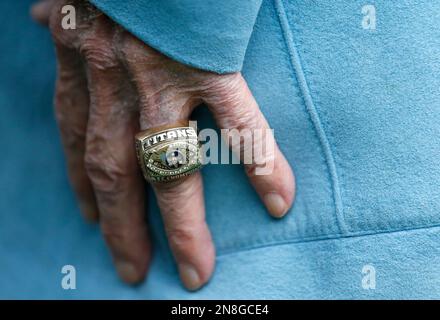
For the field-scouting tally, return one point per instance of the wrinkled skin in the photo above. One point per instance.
(111, 86)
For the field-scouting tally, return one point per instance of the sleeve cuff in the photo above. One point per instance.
(207, 34)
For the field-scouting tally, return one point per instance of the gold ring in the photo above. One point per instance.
(168, 153)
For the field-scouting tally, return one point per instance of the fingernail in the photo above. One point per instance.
(275, 204)
(189, 276)
(127, 271)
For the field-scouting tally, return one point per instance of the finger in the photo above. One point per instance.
(71, 109)
(40, 11)
(111, 160)
(181, 202)
(234, 107)
(183, 212)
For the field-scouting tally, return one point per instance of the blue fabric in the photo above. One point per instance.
(355, 111)
(217, 31)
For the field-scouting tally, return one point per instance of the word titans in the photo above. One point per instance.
(172, 134)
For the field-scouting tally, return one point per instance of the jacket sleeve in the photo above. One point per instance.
(207, 34)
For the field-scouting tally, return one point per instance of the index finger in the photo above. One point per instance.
(251, 138)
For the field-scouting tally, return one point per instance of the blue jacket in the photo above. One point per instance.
(352, 93)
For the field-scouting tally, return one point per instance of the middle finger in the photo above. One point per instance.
(110, 157)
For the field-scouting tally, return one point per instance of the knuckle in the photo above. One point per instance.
(182, 238)
(230, 97)
(224, 86)
(114, 231)
(134, 51)
(98, 53)
(239, 118)
(107, 176)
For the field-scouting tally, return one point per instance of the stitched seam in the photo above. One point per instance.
(324, 238)
(310, 107)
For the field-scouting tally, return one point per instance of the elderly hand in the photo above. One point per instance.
(110, 86)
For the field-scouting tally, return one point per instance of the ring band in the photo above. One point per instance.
(168, 153)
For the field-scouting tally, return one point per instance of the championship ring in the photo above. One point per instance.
(168, 154)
